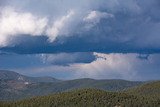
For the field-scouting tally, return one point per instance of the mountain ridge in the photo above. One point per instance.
(11, 75)
(16, 86)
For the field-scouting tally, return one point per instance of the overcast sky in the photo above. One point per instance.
(79, 39)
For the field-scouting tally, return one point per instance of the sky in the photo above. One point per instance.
(68, 39)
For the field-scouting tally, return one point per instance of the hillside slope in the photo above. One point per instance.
(87, 98)
(13, 76)
(148, 89)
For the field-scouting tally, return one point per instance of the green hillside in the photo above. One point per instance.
(148, 89)
(87, 98)
(109, 85)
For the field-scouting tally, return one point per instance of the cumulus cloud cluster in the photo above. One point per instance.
(15, 23)
(129, 24)
(57, 27)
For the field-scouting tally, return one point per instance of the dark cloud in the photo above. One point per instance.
(76, 44)
(13, 61)
(65, 59)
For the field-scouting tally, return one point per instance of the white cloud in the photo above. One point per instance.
(109, 66)
(14, 23)
(58, 25)
(96, 16)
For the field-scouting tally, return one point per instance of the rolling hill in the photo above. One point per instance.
(76, 93)
(15, 86)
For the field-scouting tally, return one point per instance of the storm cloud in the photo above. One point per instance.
(81, 39)
(115, 25)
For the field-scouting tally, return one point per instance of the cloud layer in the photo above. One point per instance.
(65, 59)
(85, 65)
(106, 25)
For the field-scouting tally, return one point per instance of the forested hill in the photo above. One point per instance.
(87, 98)
(147, 89)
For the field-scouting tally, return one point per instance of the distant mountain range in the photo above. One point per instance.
(15, 86)
(145, 95)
